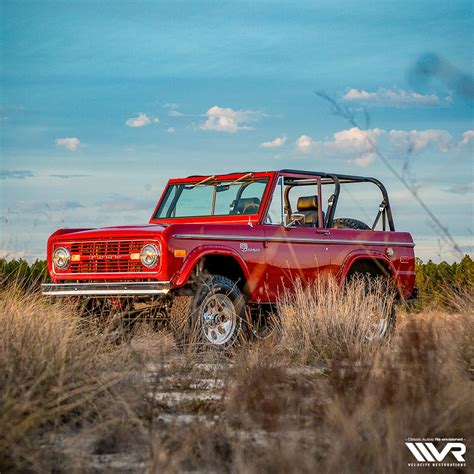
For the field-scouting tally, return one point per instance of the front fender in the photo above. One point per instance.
(182, 276)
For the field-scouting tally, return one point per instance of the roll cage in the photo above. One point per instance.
(293, 178)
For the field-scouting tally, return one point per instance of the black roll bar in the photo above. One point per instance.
(339, 179)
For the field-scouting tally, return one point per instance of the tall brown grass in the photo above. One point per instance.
(317, 396)
(54, 370)
(321, 398)
(322, 321)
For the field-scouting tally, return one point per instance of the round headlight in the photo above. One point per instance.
(149, 255)
(61, 258)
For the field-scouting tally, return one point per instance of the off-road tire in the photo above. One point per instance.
(347, 223)
(186, 319)
(179, 314)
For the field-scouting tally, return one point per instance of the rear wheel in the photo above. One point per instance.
(382, 323)
(381, 314)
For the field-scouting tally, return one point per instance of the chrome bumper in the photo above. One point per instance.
(129, 288)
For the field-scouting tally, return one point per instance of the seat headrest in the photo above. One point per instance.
(307, 203)
(247, 205)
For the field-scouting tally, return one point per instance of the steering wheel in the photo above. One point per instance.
(250, 206)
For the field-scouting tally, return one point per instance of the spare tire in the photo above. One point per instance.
(346, 223)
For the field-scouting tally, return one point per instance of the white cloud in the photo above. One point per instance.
(142, 120)
(461, 189)
(360, 146)
(467, 137)
(395, 97)
(171, 130)
(276, 143)
(173, 110)
(225, 119)
(365, 159)
(72, 144)
(354, 144)
(175, 113)
(304, 143)
(415, 141)
(355, 139)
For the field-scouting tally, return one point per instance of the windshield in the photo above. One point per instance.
(218, 198)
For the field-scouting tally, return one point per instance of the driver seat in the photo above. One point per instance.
(308, 206)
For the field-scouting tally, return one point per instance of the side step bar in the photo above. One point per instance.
(128, 288)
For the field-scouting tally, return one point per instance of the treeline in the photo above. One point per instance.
(22, 274)
(440, 283)
(436, 282)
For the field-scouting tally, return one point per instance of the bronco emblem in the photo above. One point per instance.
(245, 248)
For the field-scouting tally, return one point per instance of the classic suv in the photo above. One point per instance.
(219, 250)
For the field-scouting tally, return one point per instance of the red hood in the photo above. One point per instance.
(108, 233)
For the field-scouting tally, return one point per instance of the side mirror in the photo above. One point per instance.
(296, 218)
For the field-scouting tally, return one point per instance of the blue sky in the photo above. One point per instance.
(102, 101)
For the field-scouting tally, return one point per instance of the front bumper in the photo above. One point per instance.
(129, 288)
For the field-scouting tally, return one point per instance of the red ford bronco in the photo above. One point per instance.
(220, 248)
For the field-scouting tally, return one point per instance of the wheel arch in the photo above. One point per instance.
(374, 263)
(219, 260)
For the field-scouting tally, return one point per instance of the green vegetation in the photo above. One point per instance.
(436, 282)
(24, 275)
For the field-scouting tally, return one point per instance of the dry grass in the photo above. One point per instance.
(323, 321)
(53, 370)
(316, 397)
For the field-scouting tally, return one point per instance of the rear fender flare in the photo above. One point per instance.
(367, 254)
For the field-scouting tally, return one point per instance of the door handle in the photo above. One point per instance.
(323, 232)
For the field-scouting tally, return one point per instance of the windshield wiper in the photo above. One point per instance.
(238, 180)
(205, 180)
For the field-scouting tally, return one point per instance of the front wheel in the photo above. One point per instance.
(214, 317)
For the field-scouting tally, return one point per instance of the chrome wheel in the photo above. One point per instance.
(381, 323)
(218, 318)
(377, 330)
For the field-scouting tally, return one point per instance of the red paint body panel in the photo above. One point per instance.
(271, 256)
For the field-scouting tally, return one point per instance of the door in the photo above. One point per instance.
(292, 252)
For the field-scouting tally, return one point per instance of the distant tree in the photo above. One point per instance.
(23, 274)
(437, 282)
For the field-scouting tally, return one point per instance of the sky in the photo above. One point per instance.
(101, 102)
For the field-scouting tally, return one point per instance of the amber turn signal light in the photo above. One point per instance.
(179, 253)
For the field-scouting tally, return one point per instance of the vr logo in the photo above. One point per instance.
(426, 452)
